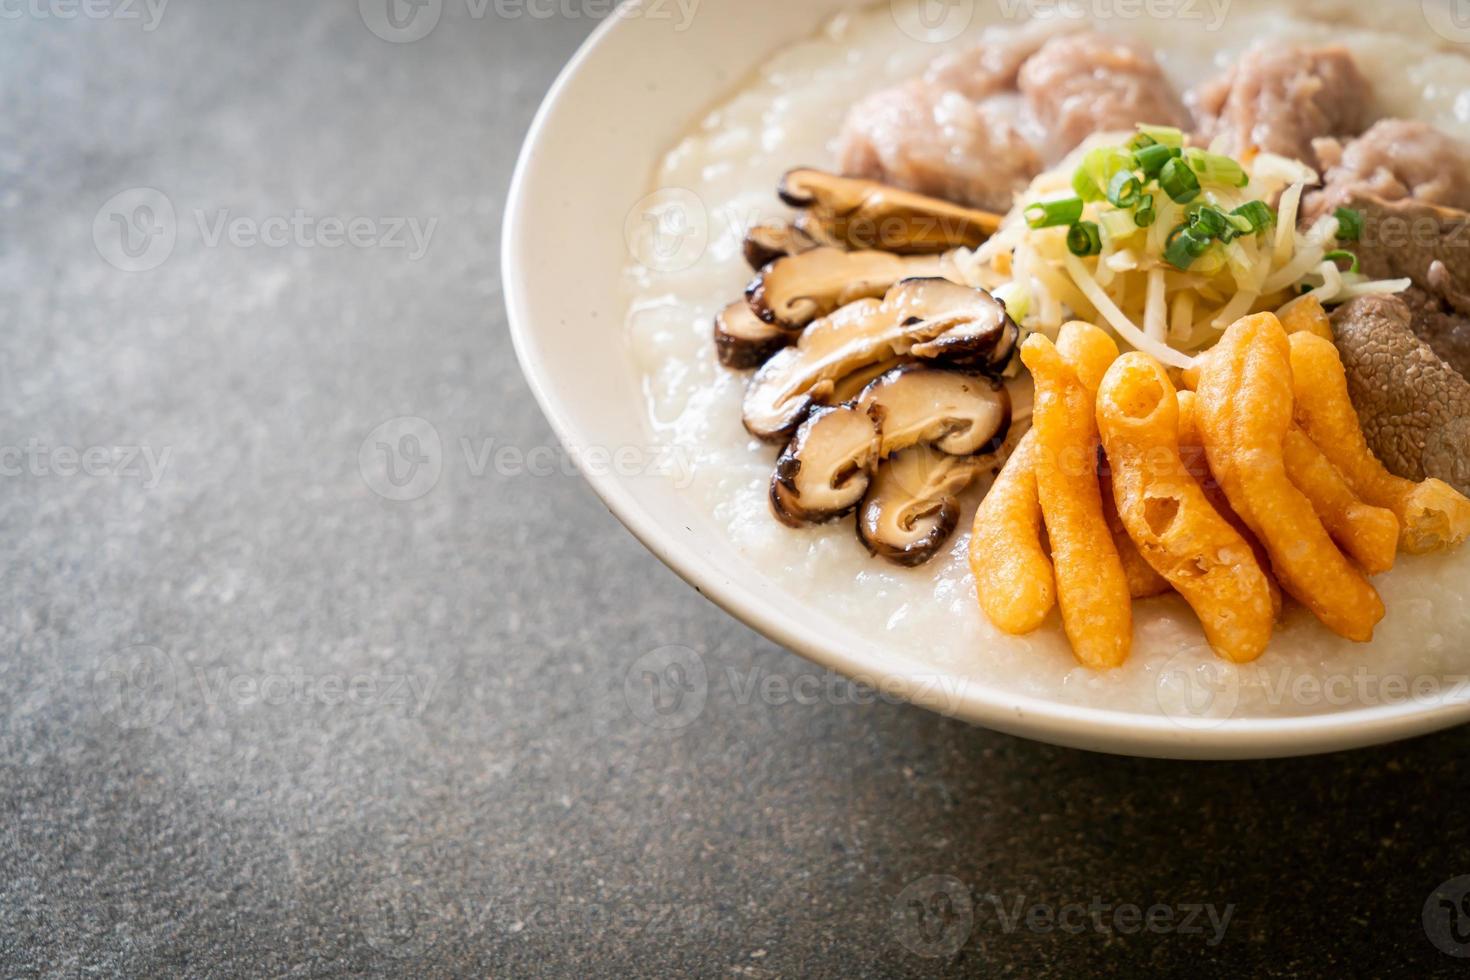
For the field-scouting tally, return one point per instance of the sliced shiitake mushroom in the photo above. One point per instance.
(935, 314)
(958, 413)
(848, 388)
(867, 214)
(794, 290)
(770, 240)
(987, 344)
(824, 471)
(743, 340)
(911, 507)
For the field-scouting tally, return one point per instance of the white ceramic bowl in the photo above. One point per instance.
(623, 100)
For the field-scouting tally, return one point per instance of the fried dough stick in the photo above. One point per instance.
(1244, 410)
(1013, 575)
(1169, 517)
(1432, 514)
(1092, 589)
(1014, 578)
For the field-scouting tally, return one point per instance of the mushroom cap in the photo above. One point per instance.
(971, 328)
(868, 214)
(959, 413)
(743, 340)
(824, 471)
(911, 507)
(768, 241)
(780, 394)
(942, 319)
(796, 289)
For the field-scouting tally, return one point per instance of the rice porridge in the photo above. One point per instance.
(788, 115)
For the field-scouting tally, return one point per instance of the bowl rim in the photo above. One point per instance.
(1056, 722)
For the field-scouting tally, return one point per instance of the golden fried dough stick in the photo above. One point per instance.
(1243, 408)
(1092, 589)
(1192, 450)
(1432, 515)
(1306, 314)
(1013, 575)
(1143, 581)
(1014, 579)
(1169, 517)
(1368, 534)
(1088, 350)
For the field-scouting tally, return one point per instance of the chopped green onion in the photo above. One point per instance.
(1179, 182)
(1151, 159)
(1240, 223)
(1349, 224)
(1016, 298)
(1145, 215)
(1184, 247)
(1117, 225)
(1084, 239)
(1141, 141)
(1167, 135)
(1214, 168)
(1050, 214)
(1123, 189)
(1206, 221)
(1092, 178)
(1340, 254)
(1258, 214)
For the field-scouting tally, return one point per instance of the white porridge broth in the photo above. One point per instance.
(787, 115)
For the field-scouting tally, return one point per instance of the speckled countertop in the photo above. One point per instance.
(258, 718)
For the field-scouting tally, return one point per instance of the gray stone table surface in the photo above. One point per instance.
(258, 719)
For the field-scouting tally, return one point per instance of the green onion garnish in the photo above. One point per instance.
(1179, 182)
(1349, 224)
(1213, 168)
(1145, 215)
(1184, 247)
(1337, 255)
(1084, 239)
(1151, 159)
(1206, 221)
(1166, 135)
(1050, 214)
(1092, 178)
(1123, 189)
(1116, 224)
(1259, 216)
(1240, 224)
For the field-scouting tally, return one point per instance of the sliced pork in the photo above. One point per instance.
(1395, 160)
(936, 141)
(952, 132)
(1085, 83)
(1278, 99)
